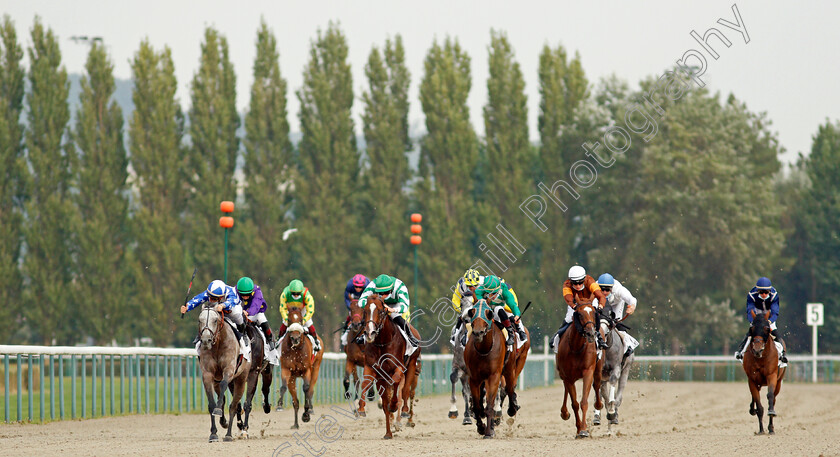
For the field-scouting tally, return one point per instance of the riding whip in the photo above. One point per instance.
(195, 270)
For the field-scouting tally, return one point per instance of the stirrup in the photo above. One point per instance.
(739, 356)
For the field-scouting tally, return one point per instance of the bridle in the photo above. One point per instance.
(213, 334)
(379, 311)
(583, 325)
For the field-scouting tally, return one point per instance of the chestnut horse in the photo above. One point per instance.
(221, 367)
(761, 363)
(484, 356)
(385, 363)
(298, 360)
(516, 362)
(577, 359)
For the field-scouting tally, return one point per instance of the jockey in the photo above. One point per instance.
(226, 301)
(353, 291)
(503, 299)
(582, 288)
(295, 295)
(623, 304)
(254, 307)
(394, 293)
(464, 293)
(762, 298)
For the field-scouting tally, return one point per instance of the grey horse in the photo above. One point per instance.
(221, 368)
(615, 371)
(459, 372)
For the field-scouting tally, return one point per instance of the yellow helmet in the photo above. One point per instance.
(471, 277)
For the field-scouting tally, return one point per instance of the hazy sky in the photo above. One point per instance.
(788, 68)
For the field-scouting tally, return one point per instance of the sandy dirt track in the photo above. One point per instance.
(657, 419)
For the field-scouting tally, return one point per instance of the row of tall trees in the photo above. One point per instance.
(100, 235)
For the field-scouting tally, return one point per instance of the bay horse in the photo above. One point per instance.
(385, 363)
(484, 356)
(615, 370)
(221, 367)
(299, 360)
(761, 364)
(577, 359)
(354, 351)
(260, 368)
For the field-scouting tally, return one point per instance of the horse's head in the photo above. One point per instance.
(357, 316)
(295, 315)
(760, 332)
(376, 316)
(209, 326)
(481, 319)
(295, 332)
(585, 320)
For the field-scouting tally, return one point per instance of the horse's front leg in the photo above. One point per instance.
(292, 383)
(564, 411)
(584, 402)
(490, 408)
(238, 390)
(349, 367)
(207, 380)
(755, 391)
(771, 401)
(465, 391)
(453, 404)
(284, 375)
(477, 406)
(386, 406)
(307, 395)
(267, 376)
(253, 379)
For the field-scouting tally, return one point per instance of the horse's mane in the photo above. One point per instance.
(760, 325)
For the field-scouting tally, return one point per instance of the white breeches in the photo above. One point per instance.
(258, 319)
(235, 315)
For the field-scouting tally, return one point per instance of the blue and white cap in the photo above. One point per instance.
(216, 288)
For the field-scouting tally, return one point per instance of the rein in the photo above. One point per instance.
(213, 334)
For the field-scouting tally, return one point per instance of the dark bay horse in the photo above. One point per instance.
(355, 352)
(484, 356)
(761, 363)
(384, 364)
(299, 360)
(577, 359)
(260, 368)
(221, 367)
(515, 363)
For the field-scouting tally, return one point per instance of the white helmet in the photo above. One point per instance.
(576, 273)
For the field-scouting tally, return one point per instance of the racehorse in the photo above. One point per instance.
(385, 363)
(615, 369)
(577, 359)
(221, 367)
(459, 372)
(516, 362)
(355, 352)
(299, 360)
(259, 368)
(484, 356)
(761, 363)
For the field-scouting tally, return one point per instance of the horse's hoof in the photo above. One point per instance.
(771, 412)
(266, 408)
(295, 427)
(614, 421)
(223, 422)
(752, 412)
(214, 438)
(512, 411)
(488, 437)
(453, 414)
(596, 421)
(611, 416)
(565, 415)
(305, 417)
(411, 424)
(583, 434)
(405, 415)
(228, 438)
(467, 421)
(362, 414)
(279, 409)
(217, 412)
(771, 432)
(388, 437)
(497, 420)
(760, 432)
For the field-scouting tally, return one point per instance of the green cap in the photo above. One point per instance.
(296, 286)
(245, 285)
(383, 283)
(492, 284)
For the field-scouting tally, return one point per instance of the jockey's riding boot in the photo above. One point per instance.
(314, 337)
(739, 353)
(266, 329)
(243, 334)
(601, 343)
(399, 320)
(559, 334)
(522, 336)
(627, 354)
(464, 338)
(782, 356)
(510, 338)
